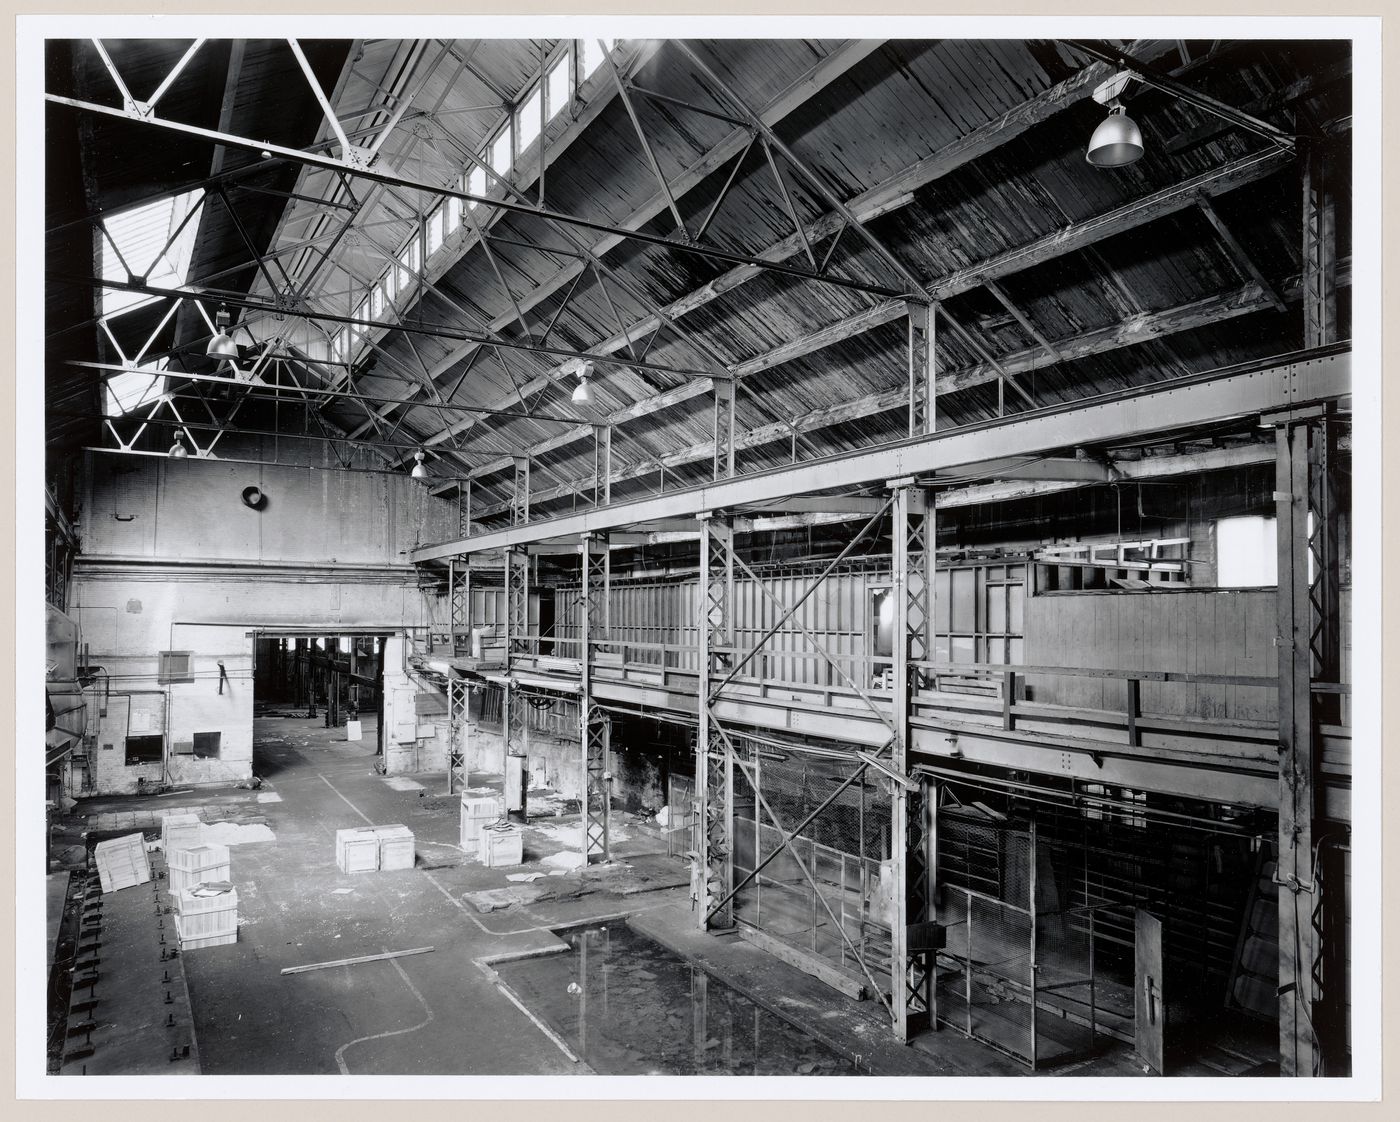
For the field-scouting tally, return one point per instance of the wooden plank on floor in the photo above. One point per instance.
(818, 968)
(354, 961)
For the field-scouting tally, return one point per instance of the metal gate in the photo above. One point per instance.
(1017, 969)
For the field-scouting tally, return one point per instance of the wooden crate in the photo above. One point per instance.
(395, 847)
(203, 916)
(478, 811)
(122, 862)
(180, 831)
(190, 942)
(357, 850)
(502, 845)
(188, 867)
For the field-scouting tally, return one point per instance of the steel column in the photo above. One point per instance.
(457, 720)
(1297, 770)
(714, 766)
(912, 538)
(459, 598)
(922, 367)
(1319, 254)
(520, 492)
(724, 430)
(594, 723)
(1312, 907)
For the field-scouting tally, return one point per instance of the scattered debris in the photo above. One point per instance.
(231, 833)
(574, 989)
(526, 877)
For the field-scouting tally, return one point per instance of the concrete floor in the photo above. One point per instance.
(442, 1012)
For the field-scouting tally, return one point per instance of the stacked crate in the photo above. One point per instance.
(395, 847)
(207, 916)
(122, 862)
(357, 849)
(189, 867)
(478, 811)
(179, 831)
(502, 844)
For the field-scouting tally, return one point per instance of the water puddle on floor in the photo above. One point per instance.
(628, 1006)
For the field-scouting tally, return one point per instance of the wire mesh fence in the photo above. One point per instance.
(811, 840)
(1017, 969)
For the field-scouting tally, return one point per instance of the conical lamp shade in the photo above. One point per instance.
(419, 471)
(222, 346)
(583, 394)
(1117, 141)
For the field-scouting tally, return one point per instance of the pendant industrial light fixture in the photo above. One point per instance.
(222, 346)
(1117, 141)
(178, 451)
(419, 471)
(583, 393)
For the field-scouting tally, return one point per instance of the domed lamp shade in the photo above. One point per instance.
(419, 471)
(178, 451)
(583, 393)
(222, 346)
(1117, 141)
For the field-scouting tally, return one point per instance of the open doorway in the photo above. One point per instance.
(316, 688)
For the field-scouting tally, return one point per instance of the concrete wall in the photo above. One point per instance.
(192, 509)
(174, 561)
(414, 740)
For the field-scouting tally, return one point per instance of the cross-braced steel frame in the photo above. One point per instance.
(595, 726)
(1312, 902)
(714, 766)
(912, 575)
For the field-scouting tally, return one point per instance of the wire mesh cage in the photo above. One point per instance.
(810, 851)
(1017, 969)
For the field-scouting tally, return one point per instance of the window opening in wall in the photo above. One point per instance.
(1246, 552)
(590, 56)
(476, 182)
(557, 86)
(527, 120)
(145, 749)
(175, 667)
(881, 627)
(206, 745)
(434, 230)
(501, 154)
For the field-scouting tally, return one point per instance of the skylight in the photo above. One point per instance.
(134, 388)
(155, 241)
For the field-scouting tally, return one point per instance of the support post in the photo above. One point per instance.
(457, 720)
(1319, 253)
(514, 708)
(724, 429)
(922, 368)
(520, 491)
(714, 766)
(602, 465)
(912, 570)
(1312, 921)
(594, 723)
(464, 509)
